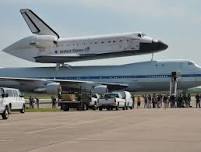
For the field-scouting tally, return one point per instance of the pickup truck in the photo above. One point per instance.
(112, 100)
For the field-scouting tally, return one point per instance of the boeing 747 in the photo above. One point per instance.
(142, 76)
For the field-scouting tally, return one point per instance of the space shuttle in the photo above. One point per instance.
(46, 46)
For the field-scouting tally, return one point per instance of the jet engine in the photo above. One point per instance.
(53, 88)
(100, 89)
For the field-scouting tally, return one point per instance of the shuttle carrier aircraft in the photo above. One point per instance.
(46, 46)
(142, 76)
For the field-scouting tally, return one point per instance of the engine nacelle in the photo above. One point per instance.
(53, 88)
(100, 89)
(43, 41)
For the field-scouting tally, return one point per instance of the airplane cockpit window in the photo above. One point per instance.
(190, 63)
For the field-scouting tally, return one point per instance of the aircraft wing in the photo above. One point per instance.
(90, 84)
(40, 84)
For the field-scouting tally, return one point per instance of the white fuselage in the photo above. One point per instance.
(142, 76)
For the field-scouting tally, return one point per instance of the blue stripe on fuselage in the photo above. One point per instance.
(119, 77)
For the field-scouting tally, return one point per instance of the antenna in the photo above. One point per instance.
(152, 56)
(56, 70)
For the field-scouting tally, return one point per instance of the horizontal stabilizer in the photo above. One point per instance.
(36, 24)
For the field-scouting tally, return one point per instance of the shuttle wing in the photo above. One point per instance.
(41, 84)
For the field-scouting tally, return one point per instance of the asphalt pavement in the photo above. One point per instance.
(140, 130)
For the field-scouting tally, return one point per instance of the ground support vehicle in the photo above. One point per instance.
(11, 100)
(112, 101)
(79, 101)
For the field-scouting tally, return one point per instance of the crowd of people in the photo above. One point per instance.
(166, 101)
(148, 100)
(33, 102)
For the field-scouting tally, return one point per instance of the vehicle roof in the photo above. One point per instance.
(5, 88)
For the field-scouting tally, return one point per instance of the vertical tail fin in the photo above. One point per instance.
(36, 24)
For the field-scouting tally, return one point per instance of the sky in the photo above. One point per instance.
(175, 22)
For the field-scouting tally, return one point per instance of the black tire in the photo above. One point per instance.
(100, 108)
(84, 108)
(23, 109)
(124, 108)
(132, 107)
(117, 107)
(108, 108)
(5, 114)
(65, 107)
(94, 108)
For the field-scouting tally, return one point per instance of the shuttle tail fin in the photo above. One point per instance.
(36, 24)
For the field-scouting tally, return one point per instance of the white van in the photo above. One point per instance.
(10, 99)
(128, 98)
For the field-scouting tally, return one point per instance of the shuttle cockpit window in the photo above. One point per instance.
(140, 35)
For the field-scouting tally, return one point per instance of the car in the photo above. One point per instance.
(11, 100)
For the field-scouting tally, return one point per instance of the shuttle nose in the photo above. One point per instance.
(154, 46)
(159, 45)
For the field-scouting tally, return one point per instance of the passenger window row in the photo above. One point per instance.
(96, 42)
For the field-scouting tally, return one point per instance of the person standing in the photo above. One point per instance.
(172, 101)
(133, 101)
(154, 100)
(138, 102)
(145, 101)
(53, 102)
(189, 100)
(197, 99)
(30, 102)
(165, 101)
(37, 102)
(180, 101)
(149, 101)
(185, 99)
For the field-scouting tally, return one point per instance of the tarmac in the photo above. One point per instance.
(140, 130)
